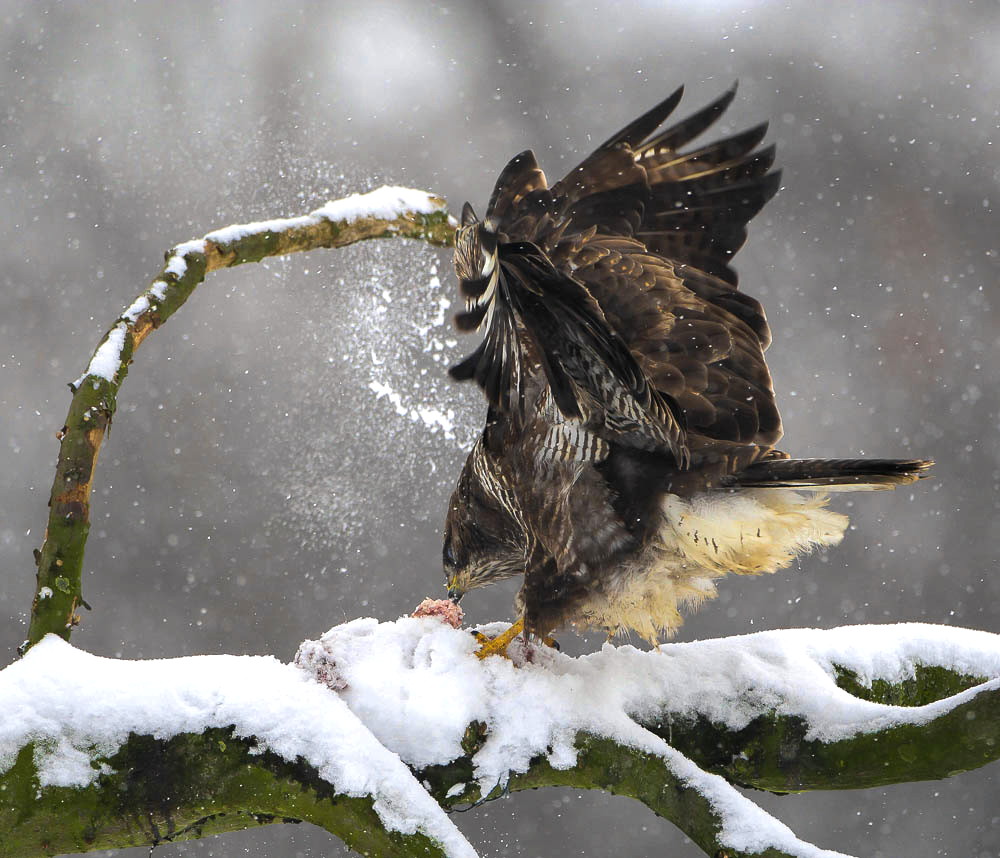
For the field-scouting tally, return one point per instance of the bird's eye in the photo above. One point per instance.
(449, 553)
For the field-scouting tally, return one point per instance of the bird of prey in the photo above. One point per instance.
(628, 459)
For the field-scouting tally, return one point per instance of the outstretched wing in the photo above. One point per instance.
(646, 232)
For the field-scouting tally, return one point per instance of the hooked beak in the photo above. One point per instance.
(455, 594)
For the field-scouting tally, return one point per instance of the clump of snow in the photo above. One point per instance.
(108, 357)
(433, 418)
(380, 390)
(420, 665)
(78, 707)
(385, 203)
(444, 609)
(139, 306)
(177, 264)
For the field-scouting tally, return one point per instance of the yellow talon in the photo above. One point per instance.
(499, 644)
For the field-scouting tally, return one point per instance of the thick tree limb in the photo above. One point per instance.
(191, 786)
(387, 212)
(187, 787)
(255, 761)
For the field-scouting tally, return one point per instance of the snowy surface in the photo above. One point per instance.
(415, 684)
(139, 306)
(177, 264)
(386, 203)
(417, 688)
(77, 706)
(405, 691)
(236, 231)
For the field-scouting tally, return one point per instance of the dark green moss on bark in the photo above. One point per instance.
(929, 683)
(773, 752)
(158, 791)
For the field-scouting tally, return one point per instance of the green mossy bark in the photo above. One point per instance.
(773, 753)
(59, 562)
(160, 791)
(606, 765)
(927, 685)
(156, 791)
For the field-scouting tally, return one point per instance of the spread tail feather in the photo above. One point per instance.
(830, 474)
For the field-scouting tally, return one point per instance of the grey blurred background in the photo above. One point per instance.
(255, 491)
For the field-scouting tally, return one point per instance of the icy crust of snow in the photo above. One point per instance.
(79, 707)
(370, 698)
(177, 263)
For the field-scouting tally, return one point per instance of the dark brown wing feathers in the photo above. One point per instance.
(639, 129)
(592, 373)
(648, 232)
(516, 182)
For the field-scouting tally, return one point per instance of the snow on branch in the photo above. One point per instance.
(381, 727)
(376, 718)
(75, 712)
(385, 212)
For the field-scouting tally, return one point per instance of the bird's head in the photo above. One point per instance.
(476, 265)
(483, 542)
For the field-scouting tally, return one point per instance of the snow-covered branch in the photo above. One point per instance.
(386, 212)
(379, 727)
(377, 720)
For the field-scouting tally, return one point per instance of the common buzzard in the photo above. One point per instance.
(628, 459)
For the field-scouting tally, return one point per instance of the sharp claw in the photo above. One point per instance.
(499, 644)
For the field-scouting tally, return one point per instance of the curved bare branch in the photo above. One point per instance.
(384, 213)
